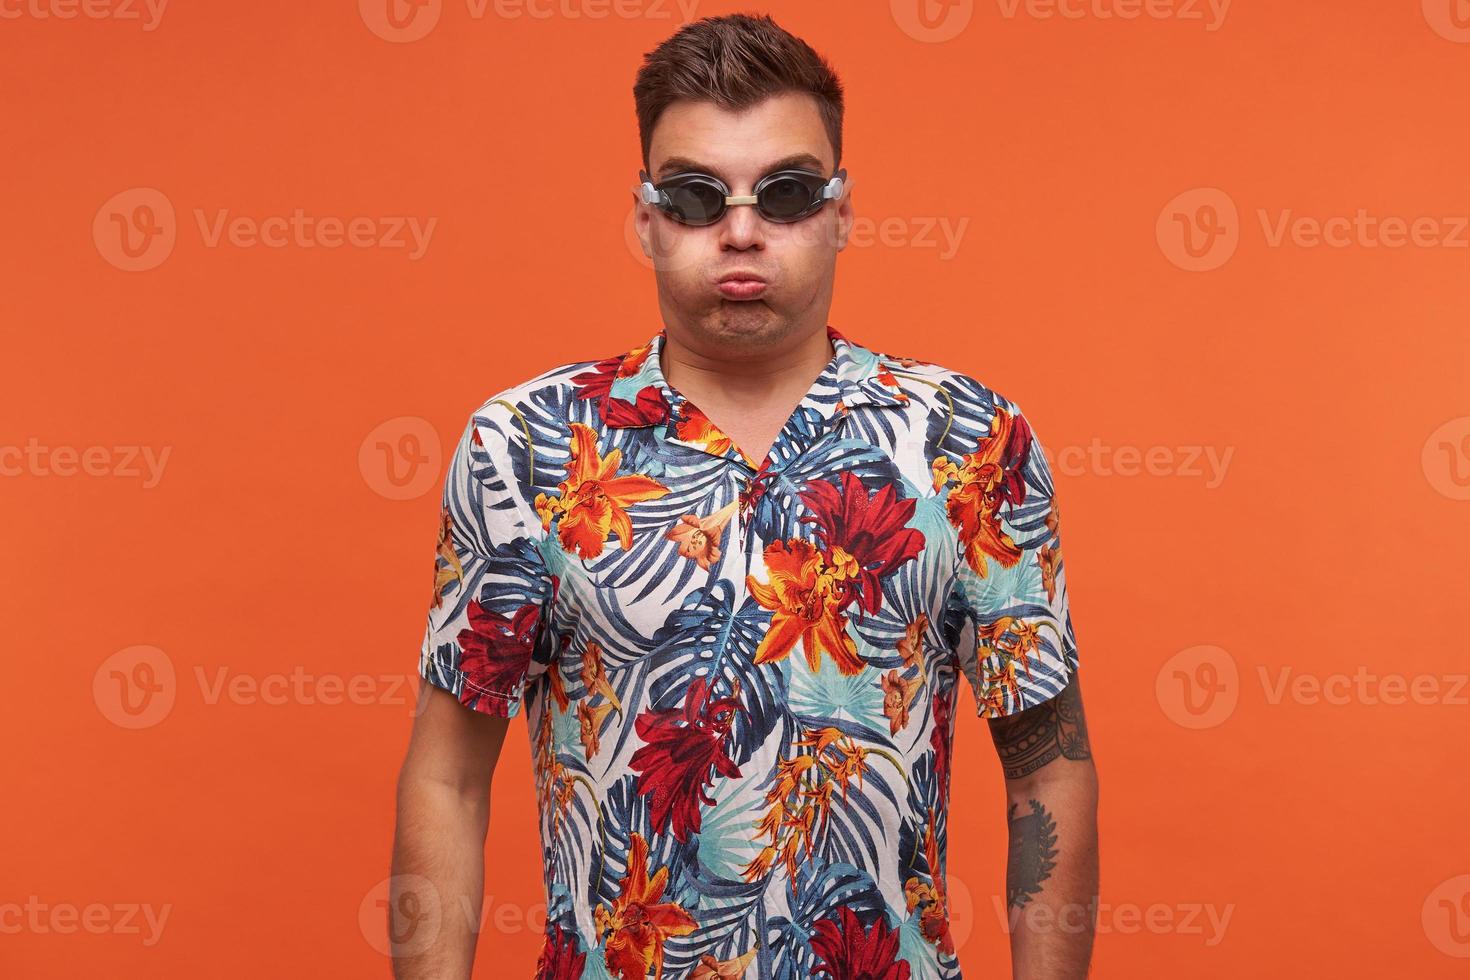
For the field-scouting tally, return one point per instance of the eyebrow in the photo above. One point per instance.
(675, 165)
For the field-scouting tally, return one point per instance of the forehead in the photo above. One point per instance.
(736, 145)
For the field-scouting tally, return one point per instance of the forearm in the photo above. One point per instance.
(438, 880)
(1052, 871)
(1052, 863)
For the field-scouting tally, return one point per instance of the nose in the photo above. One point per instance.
(742, 228)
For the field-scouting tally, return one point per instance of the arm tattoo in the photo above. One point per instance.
(1030, 739)
(1033, 851)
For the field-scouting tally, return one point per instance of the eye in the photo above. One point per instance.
(695, 199)
(786, 195)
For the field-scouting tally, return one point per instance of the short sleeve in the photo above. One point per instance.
(1007, 620)
(486, 637)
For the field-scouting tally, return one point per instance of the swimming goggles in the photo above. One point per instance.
(783, 196)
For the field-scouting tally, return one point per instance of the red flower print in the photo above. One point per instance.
(847, 951)
(560, 959)
(868, 528)
(496, 650)
(939, 738)
(680, 747)
(597, 383)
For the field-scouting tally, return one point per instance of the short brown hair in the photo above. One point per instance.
(735, 61)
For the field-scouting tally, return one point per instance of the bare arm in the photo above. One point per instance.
(1052, 868)
(439, 841)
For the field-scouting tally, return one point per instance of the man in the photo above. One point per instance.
(731, 578)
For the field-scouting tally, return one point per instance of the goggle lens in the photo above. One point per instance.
(695, 202)
(785, 198)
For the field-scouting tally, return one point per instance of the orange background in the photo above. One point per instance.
(1334, 542)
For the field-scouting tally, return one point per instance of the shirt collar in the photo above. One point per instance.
(854, 376)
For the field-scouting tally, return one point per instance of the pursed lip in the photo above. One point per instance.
(741, 276)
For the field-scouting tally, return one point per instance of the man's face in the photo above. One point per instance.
(797, 260)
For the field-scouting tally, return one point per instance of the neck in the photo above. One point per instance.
(732, 375)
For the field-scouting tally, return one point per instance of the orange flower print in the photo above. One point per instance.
(633, 361)
(998, 683)
(931, 897)
(808, 596)
(911, 647)
(993, 698)
(590, 721)
(594, 675)
(800, 799)
(886, 376)
(898, 694)
(558, 685)
(593, 499)
(1014, 638)
(1048, 558)
(708, 968)
(638, 924)
(987, 478)
(697, 427)
(699, 537)
(452, 571)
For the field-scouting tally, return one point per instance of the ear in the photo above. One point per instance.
(846, 215)
(642, 218)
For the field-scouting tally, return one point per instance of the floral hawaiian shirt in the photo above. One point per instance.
(740, 677)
